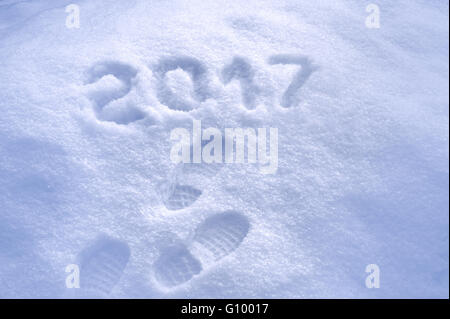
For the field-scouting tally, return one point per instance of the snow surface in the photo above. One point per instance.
(86, 178)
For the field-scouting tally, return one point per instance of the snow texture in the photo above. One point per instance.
(86, 178)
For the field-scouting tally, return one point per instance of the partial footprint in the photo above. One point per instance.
(219, 235)
(203, 174)
(215, 238)
(113, 81)
(176, 266)
(198, 74)
(241, 70)
(181, 196)
(102, 265)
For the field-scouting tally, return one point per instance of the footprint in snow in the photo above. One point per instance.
(215, 238)
(102, 265)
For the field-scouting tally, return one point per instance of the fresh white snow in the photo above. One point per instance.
(363, 132)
